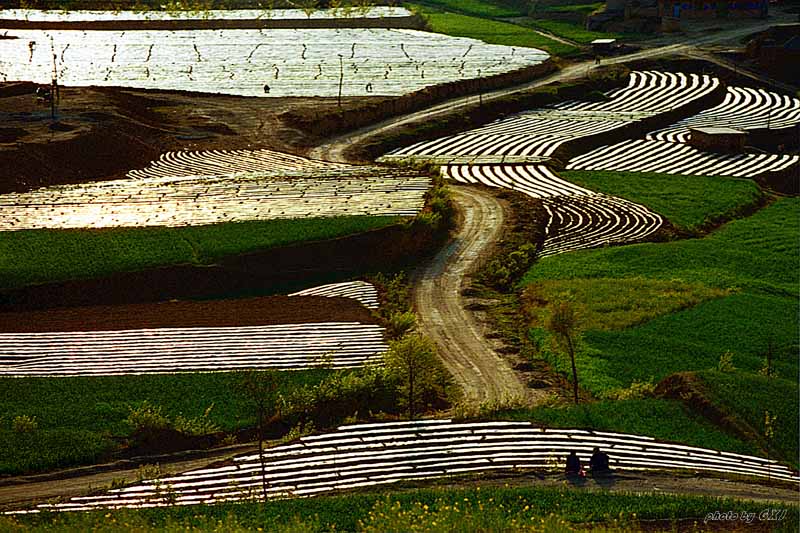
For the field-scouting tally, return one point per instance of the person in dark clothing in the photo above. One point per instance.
(573, 464)
(599, 462)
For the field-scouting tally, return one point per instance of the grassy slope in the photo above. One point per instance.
(492, 32)
(434, 510)
(662, 419)
(755, 258)
(79, 417)
(74, 254)
(750, 396)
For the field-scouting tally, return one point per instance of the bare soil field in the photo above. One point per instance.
(101, 133)
(218, 313)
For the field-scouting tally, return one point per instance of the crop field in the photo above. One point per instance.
(752, 257)
(493, 31)
(264, 63)
(203, 188)
(664, 157)
(82, 419)
(577, 218)
(540, 132)
(200, 14)
(361, 291)
(79, 254)
(385, 453)
(744, 108)
(665, 151)
(688, 202)
(482, 508)
(166, 350)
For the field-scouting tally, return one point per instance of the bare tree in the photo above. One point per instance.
(261, 389)
(563, 323)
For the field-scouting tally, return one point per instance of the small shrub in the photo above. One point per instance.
(636, 391)
(197, 426)
(401, 323)
(726, 363)
(148, 471)
(24, 424)
(147, 418)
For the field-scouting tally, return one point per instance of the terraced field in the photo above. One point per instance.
(577, 217)
(665, 151)
(744, 108)
(540, 132)
(385, 453)
(361, 291)
(211, 14)
(226, 162)
(167, 350)
(666, 157)
(264, 63)
(200, 188)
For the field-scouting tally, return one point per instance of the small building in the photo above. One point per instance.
(718, 139)
(603, 46)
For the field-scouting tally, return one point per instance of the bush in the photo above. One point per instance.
(24, 424)
(147, 418)
(401, 323)
(636, 391)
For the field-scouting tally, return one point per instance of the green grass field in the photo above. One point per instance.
(434, 510)
(752, 261)
(689, 202)
(492, 32)
(81, 419)
(478, 8)
(40, 256)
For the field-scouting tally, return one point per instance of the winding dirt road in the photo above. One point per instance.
(482, 374)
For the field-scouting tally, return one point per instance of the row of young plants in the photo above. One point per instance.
(718, 303)
(482, 508)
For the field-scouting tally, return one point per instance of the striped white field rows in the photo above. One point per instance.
(676, 158)
(263, 63)
(538, 133)
(577, 218)
(743, 109)
(210, 14)
(380, 454)
(206, 349)
(361, 291)
(210, 200)
(581, 222)
(227, 162)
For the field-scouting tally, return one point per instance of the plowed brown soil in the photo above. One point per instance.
(241, 312)
(103, 132)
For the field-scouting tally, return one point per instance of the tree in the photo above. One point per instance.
(563, 323)
(412, 362)
(261, 389)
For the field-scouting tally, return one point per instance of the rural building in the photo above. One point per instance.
(603, 46)
(718, 139)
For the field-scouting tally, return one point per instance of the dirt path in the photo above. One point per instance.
(482, 374)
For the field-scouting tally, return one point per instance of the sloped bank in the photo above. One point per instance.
(381, 249)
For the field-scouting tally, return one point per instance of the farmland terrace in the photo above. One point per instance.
(591, 174)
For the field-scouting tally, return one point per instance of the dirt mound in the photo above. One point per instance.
(217, 313)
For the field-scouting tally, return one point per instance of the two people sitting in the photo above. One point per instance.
(599, 464)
